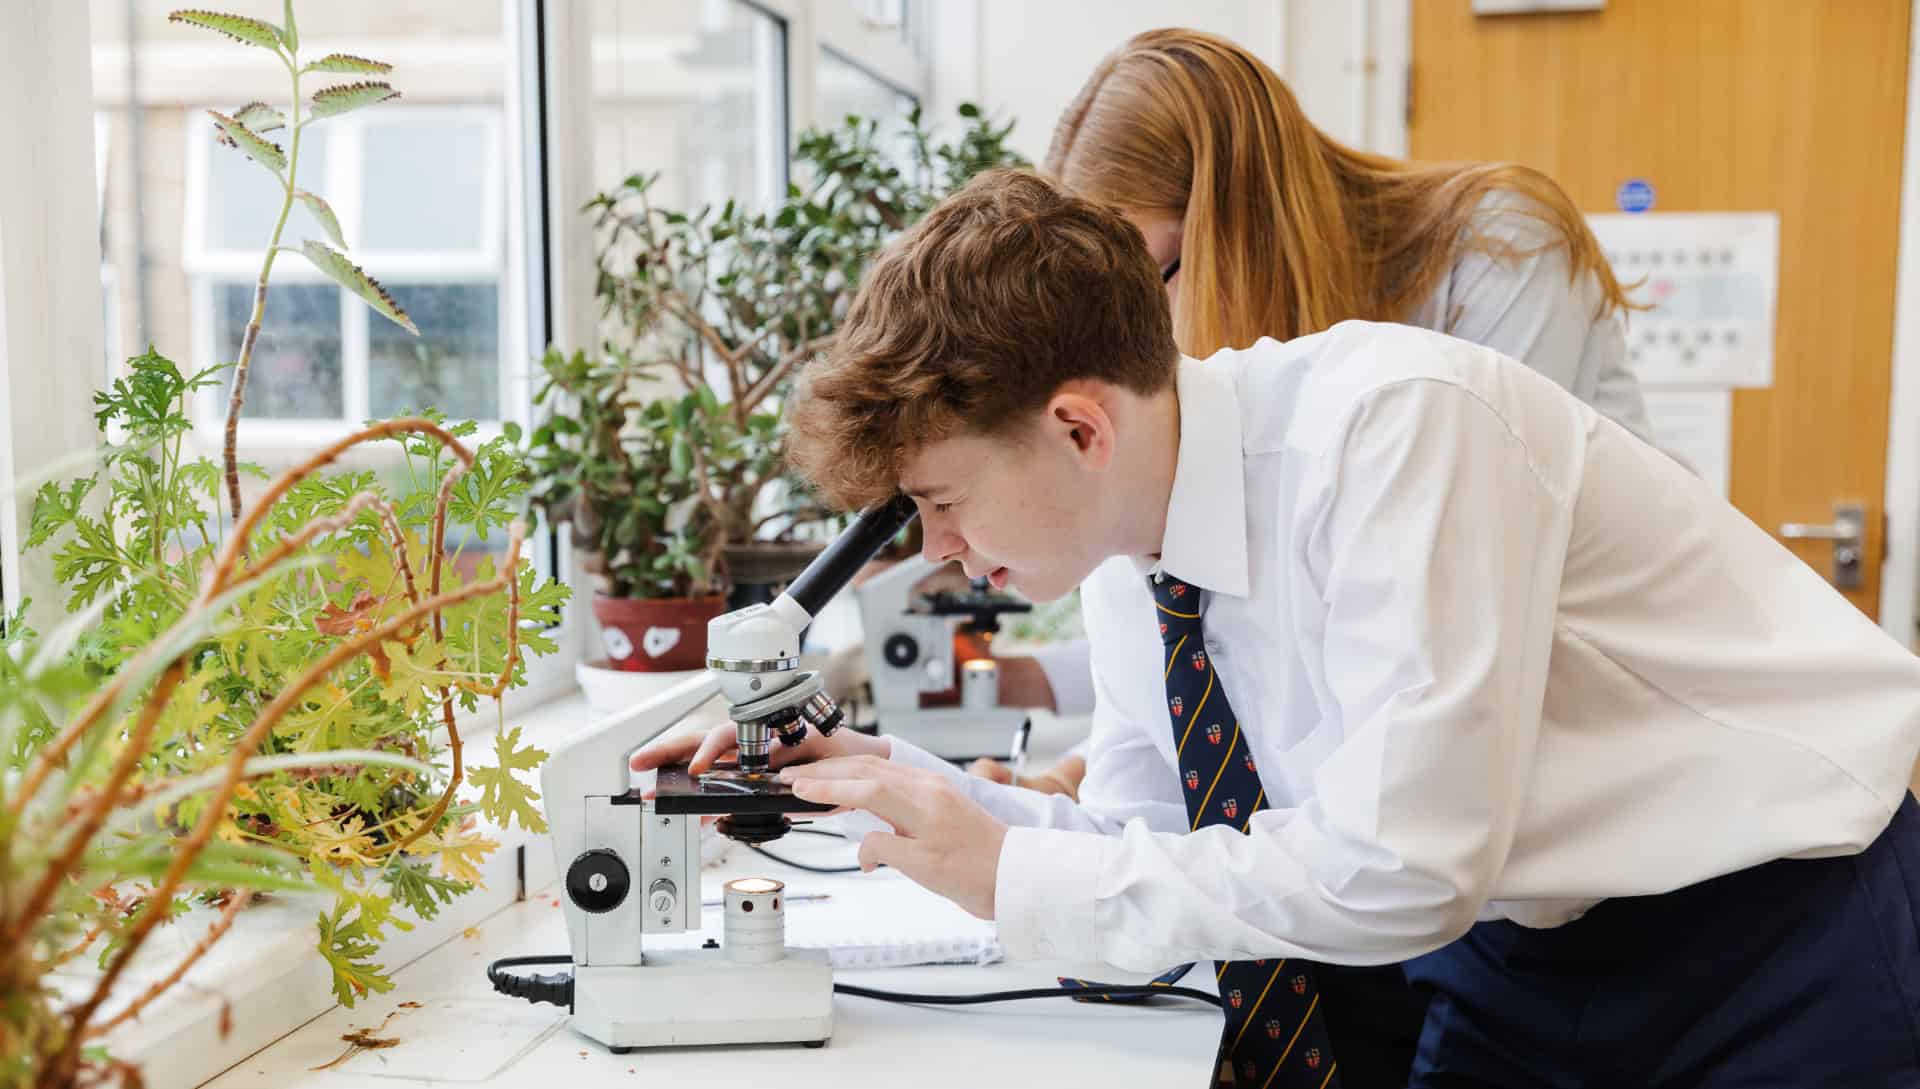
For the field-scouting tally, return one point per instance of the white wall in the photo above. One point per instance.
(1345, 59)
(50, 266)
(1900, 572)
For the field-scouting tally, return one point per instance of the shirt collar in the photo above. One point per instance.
(1206, 539)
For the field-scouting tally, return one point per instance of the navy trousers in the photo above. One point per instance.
(1798, 973)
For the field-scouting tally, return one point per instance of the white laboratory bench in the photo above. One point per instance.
(454, 1030)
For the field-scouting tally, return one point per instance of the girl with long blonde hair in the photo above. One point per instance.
(1269, 227)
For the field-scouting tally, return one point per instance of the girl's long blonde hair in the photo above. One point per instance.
(1286, 230)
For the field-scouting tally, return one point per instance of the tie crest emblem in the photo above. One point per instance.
(1178, 706)
(1248, 760)
(1163, 627)
(1200, 660)
(1233, 998)
(1273, 1029)
(1231, 807)
(1259, 964)
(1313, 1057)
(1213, 730)
(1248, 1070)
(1193, 779)
(1300, 984)
(1177, 590)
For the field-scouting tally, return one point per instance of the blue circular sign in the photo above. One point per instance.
(1634, 195)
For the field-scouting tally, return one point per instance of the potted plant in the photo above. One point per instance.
(615, 460)
(251, 698)
(672, 467)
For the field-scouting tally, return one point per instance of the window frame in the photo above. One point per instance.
(885, 52)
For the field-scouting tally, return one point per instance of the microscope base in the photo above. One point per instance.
(686, 997)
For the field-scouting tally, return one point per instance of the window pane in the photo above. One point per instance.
(453, 365)
(243, 198)
(693, 91)
(843, 89)
(295, 372)
(426, 183)
(406, 175)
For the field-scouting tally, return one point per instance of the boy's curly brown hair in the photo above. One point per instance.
(969, 322)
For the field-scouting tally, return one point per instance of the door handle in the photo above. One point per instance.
(1847, 531)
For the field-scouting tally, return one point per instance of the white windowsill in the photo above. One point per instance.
(266, 978)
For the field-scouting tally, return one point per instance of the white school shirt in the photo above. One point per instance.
(1495, 658)
(1517, 296)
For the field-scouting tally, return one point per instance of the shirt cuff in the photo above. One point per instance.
(1043, 900)
(1069, 670)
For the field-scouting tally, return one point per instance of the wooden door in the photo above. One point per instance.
(1724, 105)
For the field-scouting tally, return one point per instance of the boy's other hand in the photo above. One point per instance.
(1062, 778)
(941, 838)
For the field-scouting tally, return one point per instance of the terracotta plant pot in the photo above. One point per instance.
(655, 635)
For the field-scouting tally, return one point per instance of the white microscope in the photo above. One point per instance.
(631, 864)
(910, 656)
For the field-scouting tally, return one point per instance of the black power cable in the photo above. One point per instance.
(1098, 990)
(806, 866)
(785, 861)
(557, 989)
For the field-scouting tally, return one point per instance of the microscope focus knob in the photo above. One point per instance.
(900, 650)
(598, 881)
(662, 895)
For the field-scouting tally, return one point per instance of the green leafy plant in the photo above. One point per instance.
(666, 449)
(260, 705)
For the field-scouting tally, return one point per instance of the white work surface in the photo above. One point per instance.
(462, 1033)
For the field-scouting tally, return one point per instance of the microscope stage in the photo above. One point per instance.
(725, 790)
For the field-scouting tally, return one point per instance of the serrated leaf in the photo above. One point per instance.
(323, 213)
(347, 97)
(258, 148)
(504, 798)
(461, 851)
(238, 27)
(349, 946)
(414, 677)
(54, 509)
(422, 891)
(260, 117)
(350, 276)
(347, 62)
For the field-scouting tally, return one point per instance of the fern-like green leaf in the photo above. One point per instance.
(350, 276)
(347, 97)
(238, 27)
(350, 946)
(291, 32)
(54, 509)
(347, 62)
(421, 890)
(260, 117)
(323, 212)
(258, 148)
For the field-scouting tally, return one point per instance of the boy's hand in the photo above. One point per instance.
(700, 752)
(941, 838)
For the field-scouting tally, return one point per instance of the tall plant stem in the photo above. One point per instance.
(247, 340)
